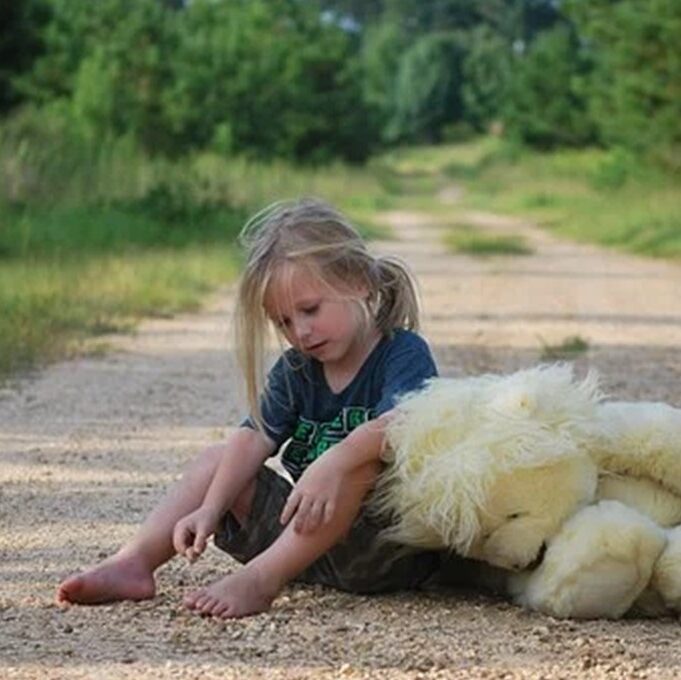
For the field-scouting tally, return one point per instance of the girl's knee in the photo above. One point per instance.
(207, 461)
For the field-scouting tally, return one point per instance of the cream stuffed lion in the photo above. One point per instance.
(574, 498)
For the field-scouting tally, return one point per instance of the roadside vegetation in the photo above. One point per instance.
(135, 138)
(594, 195)
(87, 247)
(568, 349)
(603, 196)
(468, 239)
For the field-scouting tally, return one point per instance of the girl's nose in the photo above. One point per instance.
(301, 328)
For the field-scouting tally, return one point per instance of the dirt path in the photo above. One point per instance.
(87, 446)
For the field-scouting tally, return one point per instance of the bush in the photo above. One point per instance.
(547, 107)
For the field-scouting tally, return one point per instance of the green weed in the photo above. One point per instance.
(466, 239)
(568, 349)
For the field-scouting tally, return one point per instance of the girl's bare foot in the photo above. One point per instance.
(116, 578)
(242, 594)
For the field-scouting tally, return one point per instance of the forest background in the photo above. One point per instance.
(135, 136)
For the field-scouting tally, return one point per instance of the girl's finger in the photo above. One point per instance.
(180, 542)
(199, 544)
(329, 509)
(301, 514)
(314, 516)
(290, 507)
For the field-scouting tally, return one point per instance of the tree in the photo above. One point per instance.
(428, 88)
(20, 45)
(383, 45)
(486, 74)
(635, 90)
(546, 104)
(109, 63)
(267, 78)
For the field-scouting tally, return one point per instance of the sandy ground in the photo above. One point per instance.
(88, 446)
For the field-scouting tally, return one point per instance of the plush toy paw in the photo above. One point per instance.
(643, 494)
(666, 578)
(526, 508)
(596, 566)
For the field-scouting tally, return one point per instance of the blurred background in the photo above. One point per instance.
(137, 135)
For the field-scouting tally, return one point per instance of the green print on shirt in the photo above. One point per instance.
(310, 438)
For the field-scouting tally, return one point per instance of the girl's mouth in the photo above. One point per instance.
(317, 346)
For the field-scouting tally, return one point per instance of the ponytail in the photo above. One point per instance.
(398, 302)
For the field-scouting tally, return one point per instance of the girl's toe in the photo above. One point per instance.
(220, 609)
(190, 599)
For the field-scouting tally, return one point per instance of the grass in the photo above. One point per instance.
(466, 239)
(89, 243)
(590, 195)
(570, 348)
(130, 236)
(51, 309)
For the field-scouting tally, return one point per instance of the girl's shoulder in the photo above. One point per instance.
(402, 339)
(403, 348)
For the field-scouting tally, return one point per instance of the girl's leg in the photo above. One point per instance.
(128, 574)
(252, 589)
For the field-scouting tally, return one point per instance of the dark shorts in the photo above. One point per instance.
(360, 563)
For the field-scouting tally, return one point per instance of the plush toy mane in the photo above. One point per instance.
(449, 442)
(641, 440)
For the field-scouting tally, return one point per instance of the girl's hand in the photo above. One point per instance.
(314, 499)
(191, 533)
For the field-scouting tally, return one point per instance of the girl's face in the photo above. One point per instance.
(315, 318)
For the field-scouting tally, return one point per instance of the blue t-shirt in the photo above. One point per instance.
(300, 406)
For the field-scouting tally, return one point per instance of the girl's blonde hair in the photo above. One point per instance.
(310, 232)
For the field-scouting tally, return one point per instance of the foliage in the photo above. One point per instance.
(267, 77)
(382, 48)
(594, 195)
(635, 92)
(314, 81)
(49, 305)
(546, 105)
(20, 45)
(428, 91)
(486, 74)
(128, 234)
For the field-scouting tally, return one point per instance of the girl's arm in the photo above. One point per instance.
(245, 450)
(315, 497)
(363, 445)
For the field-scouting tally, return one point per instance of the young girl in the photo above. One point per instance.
(349, 318)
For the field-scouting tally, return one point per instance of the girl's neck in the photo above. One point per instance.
(340, 374)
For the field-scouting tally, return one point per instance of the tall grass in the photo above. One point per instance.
(95, 234)
(593, 195)
(50, 307)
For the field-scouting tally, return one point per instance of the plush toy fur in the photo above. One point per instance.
(637, 447)
(495, 467)
(599, 562)
(490, 466)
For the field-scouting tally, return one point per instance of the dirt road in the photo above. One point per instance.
(87, 447)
